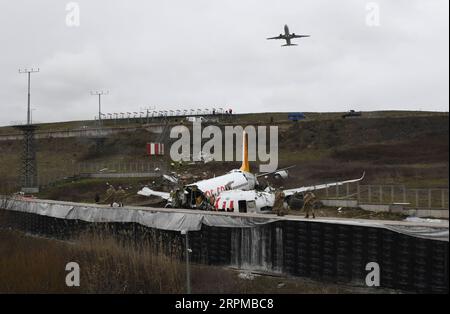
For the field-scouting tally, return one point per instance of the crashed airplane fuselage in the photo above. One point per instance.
(235, 191)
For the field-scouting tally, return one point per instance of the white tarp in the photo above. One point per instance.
(192, 220)
(176, 221)
(422, 232)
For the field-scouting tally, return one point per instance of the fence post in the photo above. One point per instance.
(417, 198)
(392, 194)
(348, 189)
(429, 198)
(381, 194)
(337, 190)
(369, 193)
(404, 194)
(443, 198)
(357, 192)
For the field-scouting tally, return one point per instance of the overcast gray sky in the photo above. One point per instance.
(179, 54)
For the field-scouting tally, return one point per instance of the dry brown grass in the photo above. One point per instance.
(37, 265)
(31, 264)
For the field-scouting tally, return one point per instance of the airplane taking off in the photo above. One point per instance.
(288, 37)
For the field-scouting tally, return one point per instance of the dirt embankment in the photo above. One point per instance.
(391, 149)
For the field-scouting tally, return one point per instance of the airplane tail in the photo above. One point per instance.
(245, 164)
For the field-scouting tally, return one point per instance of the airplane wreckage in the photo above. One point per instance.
(235, 191)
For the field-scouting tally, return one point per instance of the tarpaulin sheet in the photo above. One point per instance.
(175, 221)
(421, 232)
(192, 220)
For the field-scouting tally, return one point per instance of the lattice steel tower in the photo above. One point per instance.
(28, 169)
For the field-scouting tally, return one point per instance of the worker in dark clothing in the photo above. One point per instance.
(120, 196)
(278, 205)
(97, 198)
(176, 200)
(308, 204)
(110, 195)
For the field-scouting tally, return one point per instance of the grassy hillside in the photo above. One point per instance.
(392, 147)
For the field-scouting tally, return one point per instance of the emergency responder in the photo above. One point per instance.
(110, 195)
(199, 201)
(175, 195)
(308, 204)
(174, 198)
(278, 205)
(120, 196)
(212, 201)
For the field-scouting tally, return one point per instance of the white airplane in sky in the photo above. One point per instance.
(287, 36)
(236, 190)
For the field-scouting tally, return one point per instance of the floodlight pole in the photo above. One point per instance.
(31, 115)
(99, 94)
(29, 71)
(187, 252)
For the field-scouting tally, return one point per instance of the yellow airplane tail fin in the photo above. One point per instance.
(245, 164)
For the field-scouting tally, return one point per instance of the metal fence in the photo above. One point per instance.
(435, 198)
(149, 116)
(117, 167)
(114, 167)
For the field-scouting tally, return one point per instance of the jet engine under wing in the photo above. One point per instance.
(299, 36)
(149, 192)
(277, 37)
(267, 173)
(320, 186)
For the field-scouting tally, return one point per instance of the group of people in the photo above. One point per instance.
(114, 196)
(308, 203)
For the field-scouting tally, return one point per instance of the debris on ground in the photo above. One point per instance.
(246, 276)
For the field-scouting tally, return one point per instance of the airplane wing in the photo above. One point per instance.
(277, 37)
(266, 173)
(320, 186)
(170, 178)
(149, 192)
(299, 36)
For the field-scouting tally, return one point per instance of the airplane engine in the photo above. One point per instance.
(282, 174)
(293, 34)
